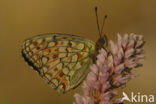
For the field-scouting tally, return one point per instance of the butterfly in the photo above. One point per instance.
(62, 60)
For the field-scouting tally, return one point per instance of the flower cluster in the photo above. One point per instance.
(112, 70)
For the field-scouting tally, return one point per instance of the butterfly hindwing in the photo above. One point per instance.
(61, 59)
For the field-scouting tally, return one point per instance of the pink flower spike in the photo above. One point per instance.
(112, 70)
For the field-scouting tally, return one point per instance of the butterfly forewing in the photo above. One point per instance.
(61, 59)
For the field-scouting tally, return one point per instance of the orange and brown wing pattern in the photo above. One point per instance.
(61, 59)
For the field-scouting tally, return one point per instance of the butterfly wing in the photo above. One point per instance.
(61, 59)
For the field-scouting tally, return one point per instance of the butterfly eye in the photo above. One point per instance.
(101, 41)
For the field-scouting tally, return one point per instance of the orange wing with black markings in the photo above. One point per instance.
(61, 59)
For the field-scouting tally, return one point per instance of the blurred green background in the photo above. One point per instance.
(20, 19)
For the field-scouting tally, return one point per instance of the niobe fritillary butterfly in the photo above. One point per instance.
(62, 59)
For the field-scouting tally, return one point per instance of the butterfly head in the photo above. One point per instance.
(102, 42)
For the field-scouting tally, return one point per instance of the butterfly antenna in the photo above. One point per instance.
(104, 19)
(97, 21)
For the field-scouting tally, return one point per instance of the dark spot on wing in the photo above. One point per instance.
(61, 74)
(38, 48)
